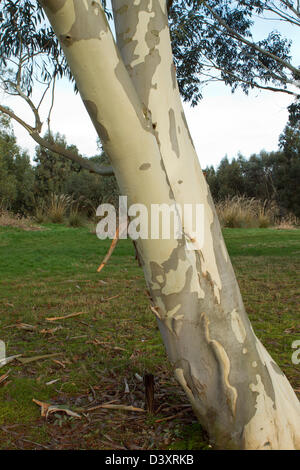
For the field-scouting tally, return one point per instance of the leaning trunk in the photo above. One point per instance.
(237, 391)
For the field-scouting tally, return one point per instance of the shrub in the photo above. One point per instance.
(75, 219)
(57, 207)
(287, 222)
(243, 212)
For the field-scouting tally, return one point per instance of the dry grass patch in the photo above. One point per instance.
(8, 219)
(245, 212)
(288, 222)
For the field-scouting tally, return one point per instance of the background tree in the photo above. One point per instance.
(16, 173)
(7, 180)
(286, 170)
(92, 187)
(258, 176)
(54, 174)
(230, 178)
(52, 170)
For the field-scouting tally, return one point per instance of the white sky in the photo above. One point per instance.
(222, 124)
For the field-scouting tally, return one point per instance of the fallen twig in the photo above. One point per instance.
(64, 317)
(27, 360)
(25, 326)
(116, 407)
(4, 377)
(126, 386)
(110, 298)
(52, 382)
(110, 251)
(59, 363)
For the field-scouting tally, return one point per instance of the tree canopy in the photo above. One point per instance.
(215, 40)
(212, 40)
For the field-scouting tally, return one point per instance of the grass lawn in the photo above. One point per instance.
(52, 273)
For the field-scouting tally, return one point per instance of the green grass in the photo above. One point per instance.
(263, 242)
(55, 251)
(52, 273)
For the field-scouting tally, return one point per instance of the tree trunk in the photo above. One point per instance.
(237, 391)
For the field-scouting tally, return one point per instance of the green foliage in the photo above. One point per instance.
(53, 170)
(55, 174)
(210, 40)
(92, 187)
(214, 40)
(287, 170)
(16, 173)
(40, 190)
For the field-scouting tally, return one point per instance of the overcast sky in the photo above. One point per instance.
(222, 124)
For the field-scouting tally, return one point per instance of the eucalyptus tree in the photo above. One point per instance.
(130, 91)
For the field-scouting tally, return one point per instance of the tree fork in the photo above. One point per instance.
(237, 391)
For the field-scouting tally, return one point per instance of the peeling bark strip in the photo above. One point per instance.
(173, 133)
(85, 26)
(133, 100)
(224, 365)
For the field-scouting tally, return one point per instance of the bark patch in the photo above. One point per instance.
(87, 25)
(145, 166)
(93, 112)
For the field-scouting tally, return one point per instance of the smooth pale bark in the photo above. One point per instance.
(144, 42)
(237, 391)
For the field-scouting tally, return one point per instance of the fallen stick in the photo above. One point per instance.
(66, 316)
(113, 245)
(110, 251)
(4, 377)
(27, 360)
(116, 407)
(110, 298)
